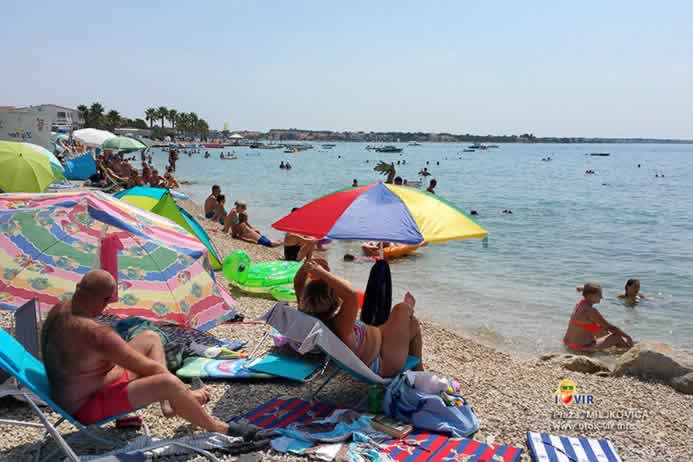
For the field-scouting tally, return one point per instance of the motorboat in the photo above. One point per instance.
(388, 148)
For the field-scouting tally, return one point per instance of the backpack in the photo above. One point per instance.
(428, 411)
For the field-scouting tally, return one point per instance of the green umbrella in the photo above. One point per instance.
(23, 168)
(123, 143)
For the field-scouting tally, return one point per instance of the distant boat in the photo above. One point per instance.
(388, 149)
(478, 146)
(600, 154)
(493, 146)
(468, 150)
(414, 144)
(328, 146)
(213, 145)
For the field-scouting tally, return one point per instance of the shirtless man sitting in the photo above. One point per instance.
(94, 374)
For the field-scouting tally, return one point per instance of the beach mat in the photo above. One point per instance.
(417, 447)
(551, 448)
(289, 367)
(229, 369)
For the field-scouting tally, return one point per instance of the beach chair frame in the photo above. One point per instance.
(269, 318)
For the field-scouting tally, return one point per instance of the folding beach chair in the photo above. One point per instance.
(310, 332)
(33, 382)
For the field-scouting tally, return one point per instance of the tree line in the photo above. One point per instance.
(185, 123)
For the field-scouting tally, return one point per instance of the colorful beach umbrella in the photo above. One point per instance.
(92, 136)
(123, 143)
(49, 241)
(161, 202)
(24, 169)
(382, 212)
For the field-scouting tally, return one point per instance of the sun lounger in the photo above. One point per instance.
(33, 382)
(312, 333)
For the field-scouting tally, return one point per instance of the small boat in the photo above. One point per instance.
(388, 149)
(600, 154)
(328, 146)
(213, 145)
(469, 150)
(475, 146)
(414, 144)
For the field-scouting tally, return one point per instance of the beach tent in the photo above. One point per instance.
(49, 241)
(161, 202)
(80, 168)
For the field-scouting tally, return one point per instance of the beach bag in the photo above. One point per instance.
(428, 411)
(377, 300)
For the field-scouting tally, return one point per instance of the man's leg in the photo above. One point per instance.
(149, 344)
(167, 387)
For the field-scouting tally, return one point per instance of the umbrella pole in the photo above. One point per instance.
(382, 251)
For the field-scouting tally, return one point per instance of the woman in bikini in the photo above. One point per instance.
(631, 294)
(331, 299)
(588, 331)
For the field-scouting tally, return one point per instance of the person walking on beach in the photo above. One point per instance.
(94, 374)
(588, 331)
(211, 203)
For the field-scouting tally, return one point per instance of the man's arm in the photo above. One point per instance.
(113, 348)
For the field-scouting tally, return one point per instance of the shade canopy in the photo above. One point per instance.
(24, 168)
(382, 212)
(123, 143)
(49, 241)
(161, 202)
(92, 136)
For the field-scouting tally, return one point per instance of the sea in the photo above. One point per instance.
(632, 218)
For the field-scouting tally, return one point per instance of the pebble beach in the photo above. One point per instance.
(645, 421)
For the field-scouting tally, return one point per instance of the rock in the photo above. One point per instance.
(583, 364)
(653, 360)
(683, 384)
(548, 356)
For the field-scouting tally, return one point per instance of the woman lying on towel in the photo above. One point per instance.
(332, 300)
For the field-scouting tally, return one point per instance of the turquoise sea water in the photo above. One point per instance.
(566, 228)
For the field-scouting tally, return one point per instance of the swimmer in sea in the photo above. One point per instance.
(588, 331)
(632, 294)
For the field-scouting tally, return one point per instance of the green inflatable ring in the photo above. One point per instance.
(258, 277)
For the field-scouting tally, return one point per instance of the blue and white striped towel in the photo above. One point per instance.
(550, 448)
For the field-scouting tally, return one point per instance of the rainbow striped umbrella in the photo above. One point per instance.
(49, 241)
(382, 212)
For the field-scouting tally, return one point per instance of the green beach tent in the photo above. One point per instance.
(161, 202)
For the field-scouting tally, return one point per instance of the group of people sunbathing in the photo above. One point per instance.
(114, 167)
(234, 221)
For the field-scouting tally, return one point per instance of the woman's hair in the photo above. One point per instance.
(630, 282)
(319, 300)
(221, 198)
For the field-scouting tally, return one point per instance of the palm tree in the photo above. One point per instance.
(113, 119)
(96, 115)
(172, 113)
(150, 115)
(84, 114)
(162, 113)
(182, 122)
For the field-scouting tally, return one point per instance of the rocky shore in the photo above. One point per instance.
(646, 420)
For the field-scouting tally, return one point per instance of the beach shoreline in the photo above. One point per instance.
(511, 394)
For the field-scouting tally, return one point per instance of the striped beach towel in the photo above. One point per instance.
(550, 448)
(417, 447)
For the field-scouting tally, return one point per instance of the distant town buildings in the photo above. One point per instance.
(34, 124)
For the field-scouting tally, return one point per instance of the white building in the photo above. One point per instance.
(34, 124)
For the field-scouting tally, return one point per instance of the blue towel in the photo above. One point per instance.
(545, 447)
(288, 367)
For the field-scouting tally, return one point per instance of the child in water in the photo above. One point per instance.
(588, 331)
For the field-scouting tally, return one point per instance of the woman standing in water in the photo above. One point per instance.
(632, 294)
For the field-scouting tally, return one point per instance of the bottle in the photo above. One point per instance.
(376, 393)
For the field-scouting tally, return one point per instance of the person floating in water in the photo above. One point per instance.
(398, 180)
(281, 165)
(354, 183)
(588, 331)
(632, 294)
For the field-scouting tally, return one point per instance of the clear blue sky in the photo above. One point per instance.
(567, 68)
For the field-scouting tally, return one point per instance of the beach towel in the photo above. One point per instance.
(377, 300)
(544, 447)
(289, 367)
(417, 447)
(222, 369)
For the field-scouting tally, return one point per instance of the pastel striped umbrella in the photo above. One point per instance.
(49, 241)
(382, 212)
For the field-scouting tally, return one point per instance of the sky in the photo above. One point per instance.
(552, 68)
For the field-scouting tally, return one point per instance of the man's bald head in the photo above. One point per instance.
(93, 293)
